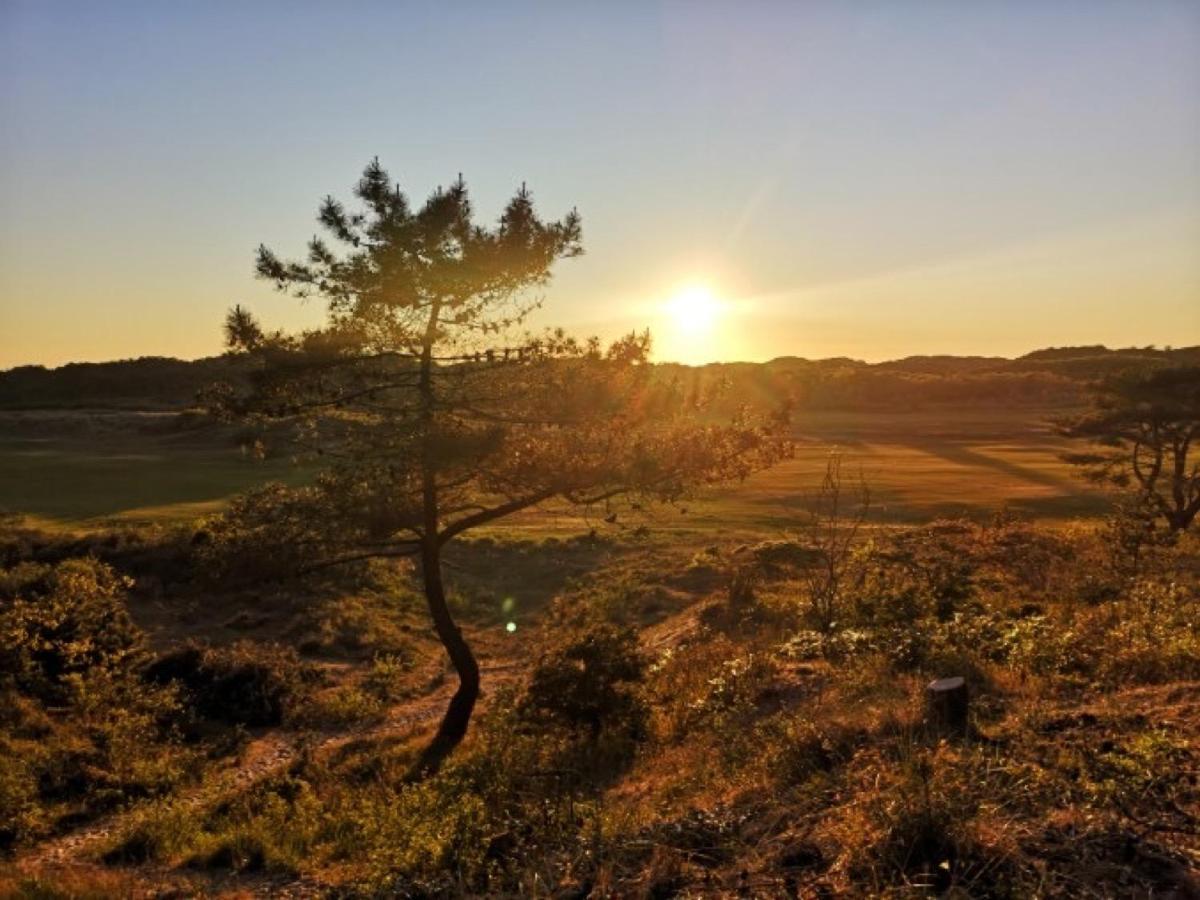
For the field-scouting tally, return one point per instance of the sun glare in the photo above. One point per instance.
(694, 309)
(690, 329)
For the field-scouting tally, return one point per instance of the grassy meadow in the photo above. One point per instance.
(80, 469)
(72, 468)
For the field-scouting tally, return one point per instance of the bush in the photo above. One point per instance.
(246, 684)
(63, 622)
(796, 748)
(18, 793)
(339, 708)
(387, 677)
(927, 571)
(156, 834)
(589, 682)
(274, 827)
(67, 644)
(355, 624)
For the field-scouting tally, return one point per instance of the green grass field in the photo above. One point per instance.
(77, 469)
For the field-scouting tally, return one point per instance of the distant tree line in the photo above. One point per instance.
(1050, 377)
(150, 382)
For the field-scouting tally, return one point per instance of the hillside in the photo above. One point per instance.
(1051, 376)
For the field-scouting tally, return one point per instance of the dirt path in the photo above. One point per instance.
(262, 758)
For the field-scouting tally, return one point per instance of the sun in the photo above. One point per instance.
(693, 310)
(691, 329)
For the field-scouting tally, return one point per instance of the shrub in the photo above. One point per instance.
(796, 748)
(435, 834)
(355, 624)
(338, 708)
(61, 622)
(1154, 635)
(156, 834)
(386, 678)
(18, 794)
(742, 596)
(275, 827)
(66, 640)
(778, 558)
(246, 684)
(918, 572)
(589, 682)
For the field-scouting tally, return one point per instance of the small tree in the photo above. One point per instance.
(837, 513)
(1143, 426)
(435, 417)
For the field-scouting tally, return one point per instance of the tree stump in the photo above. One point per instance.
(946, 704)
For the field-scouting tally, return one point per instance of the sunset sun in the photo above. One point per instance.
(691, 324)
(694, 310)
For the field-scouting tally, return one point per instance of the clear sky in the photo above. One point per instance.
(872, 179)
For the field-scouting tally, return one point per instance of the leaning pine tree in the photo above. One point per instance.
(432, 418)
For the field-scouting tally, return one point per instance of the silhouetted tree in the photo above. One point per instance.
(1144, 425)
(434, 417)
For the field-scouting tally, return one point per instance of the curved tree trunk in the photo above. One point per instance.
(458, 714)
(457, 717)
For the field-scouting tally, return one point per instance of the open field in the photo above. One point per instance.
(90, 467)
(85, 468)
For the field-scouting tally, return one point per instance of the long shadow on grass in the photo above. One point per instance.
(963, 456)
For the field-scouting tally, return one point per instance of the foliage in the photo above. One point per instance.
(80, 732)
(589, 682)
(61, 623)
(245, 684)
(920, 571)
(387, 676)
(340, 707)
(767, 758)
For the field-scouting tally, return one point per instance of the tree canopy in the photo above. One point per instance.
(1143, 426)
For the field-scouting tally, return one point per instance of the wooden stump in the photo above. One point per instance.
(946, 704)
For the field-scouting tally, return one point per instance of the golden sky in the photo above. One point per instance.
(870, 180)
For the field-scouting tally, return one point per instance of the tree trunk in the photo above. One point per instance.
(458, 714)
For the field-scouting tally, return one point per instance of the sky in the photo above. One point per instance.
(868, 179)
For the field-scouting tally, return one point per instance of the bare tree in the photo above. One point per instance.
(837, 512)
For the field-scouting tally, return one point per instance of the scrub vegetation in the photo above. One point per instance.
(665, 718)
